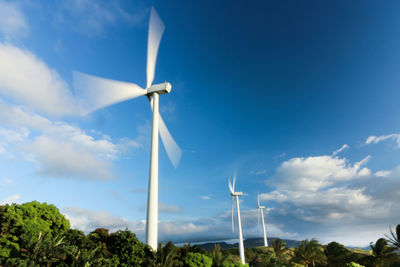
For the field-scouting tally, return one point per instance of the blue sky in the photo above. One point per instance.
(271, 89)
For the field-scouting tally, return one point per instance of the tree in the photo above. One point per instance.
(337, 255)
(194, 259)
(217, 256)
(382, 253)
(353, 264)
(20, 225)
(279, 247)
(394, 239)
(167, 255)
(125, 245)
(309, 252)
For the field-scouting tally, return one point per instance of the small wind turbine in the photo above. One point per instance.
(95, 93)
(237, 194)
(260, 209)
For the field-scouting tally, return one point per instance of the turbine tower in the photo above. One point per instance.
(94, 93)
(260, 209)
(236, 195)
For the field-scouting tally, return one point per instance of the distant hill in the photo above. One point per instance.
(249, 243)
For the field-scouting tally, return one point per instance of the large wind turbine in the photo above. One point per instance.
(236, 195)
(94, 93)
(260, 209)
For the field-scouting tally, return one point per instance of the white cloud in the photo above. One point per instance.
(87, 220)
(67, 159)
(206, 197)
(259, 172)
(169, 208)
(330, 195)
(314, 173)
(378, 139)
(344, 147)
(383, 173)
(91, 17)
(10, 199)
(29, 81)
(57, 148)
(5, 182)
(196, 230)
(12, 21)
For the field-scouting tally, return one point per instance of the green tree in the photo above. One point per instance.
(20, 225)
(338, 255)
(382, 253)
(167, 255)
(46, 250)
(353, 264)
(394, 239)
(309, 252)
(279, 247)
(125, 245)
(193, 259)
(217, 256)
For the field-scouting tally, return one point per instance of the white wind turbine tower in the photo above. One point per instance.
(236, 195)
(95, 93)
(260, 209)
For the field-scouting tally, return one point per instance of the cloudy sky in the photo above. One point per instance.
(299, 97)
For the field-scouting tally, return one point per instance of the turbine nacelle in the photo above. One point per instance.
(161, 88)
(236, 194)
(261, 207)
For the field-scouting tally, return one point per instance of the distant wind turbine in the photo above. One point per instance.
(236, 195)
(95, 93)
(260, 209)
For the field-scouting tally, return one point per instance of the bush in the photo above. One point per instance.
(194, 259)
(125, 245)
(353, 264)
(21, 224)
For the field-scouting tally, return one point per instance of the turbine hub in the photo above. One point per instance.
(161, 88)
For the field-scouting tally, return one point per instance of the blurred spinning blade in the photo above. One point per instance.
(93, 92)
(171, 147)
(156, 29)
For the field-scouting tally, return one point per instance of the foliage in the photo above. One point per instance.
(125, 245)
(217, 256)
(193, 259)
(394, 239)
(21, 224)
(35, 234)
(310, 252)
(382, 253)
(338, 255)
(353, 264)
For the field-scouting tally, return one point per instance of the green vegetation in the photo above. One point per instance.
(37, 234)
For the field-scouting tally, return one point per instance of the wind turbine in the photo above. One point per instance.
(236, 195)
(95, 93)
(260, 209)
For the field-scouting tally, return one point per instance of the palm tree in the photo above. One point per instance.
(167, 255)
(395, 238)
(337, 255)
(217, 256)
(382, 253)
(310, 252)
(280, 249)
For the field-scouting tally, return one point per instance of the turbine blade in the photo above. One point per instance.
(171, 147)
(173, 150)
(156, 29)
(93, 92)
(233, 228)
(258, 219)
(230, 186)
(258, 199)
(234, 181)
